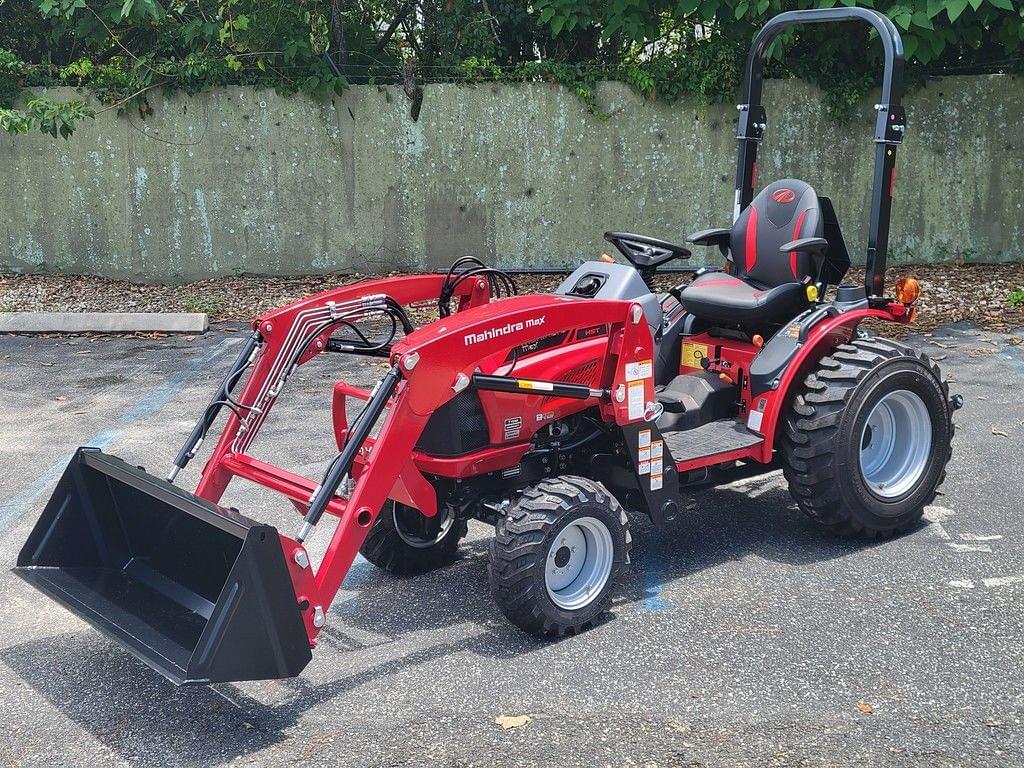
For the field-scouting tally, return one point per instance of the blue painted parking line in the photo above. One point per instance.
(164, 392)
(16, 505)
(654, 566)
(354, 580)
(157, 398)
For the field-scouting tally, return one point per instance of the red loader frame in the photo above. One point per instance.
(430, 366)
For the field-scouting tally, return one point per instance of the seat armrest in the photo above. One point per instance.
(719, 237)
(813, 246)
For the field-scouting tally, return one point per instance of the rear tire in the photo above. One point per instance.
(402, 541)
(556, 555)
(867, 441)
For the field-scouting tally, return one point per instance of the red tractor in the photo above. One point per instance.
(551, 417)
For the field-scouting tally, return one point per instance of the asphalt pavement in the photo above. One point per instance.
(741, 635)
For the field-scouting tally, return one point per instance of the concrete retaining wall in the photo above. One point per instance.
(239, 180)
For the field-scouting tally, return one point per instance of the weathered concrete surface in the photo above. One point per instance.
(248, 181)
(103, 322)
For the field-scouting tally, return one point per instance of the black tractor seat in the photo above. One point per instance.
(722, 298)
(767, 285)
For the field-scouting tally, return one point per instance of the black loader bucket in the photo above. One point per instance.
(198, 592)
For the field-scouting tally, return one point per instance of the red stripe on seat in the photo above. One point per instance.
(796, 236)
(750, 245)
(709, 283)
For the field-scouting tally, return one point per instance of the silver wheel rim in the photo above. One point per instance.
(895, 444)
(418, 541)
(579, 563)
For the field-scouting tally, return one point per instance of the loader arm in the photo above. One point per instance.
(292, 336)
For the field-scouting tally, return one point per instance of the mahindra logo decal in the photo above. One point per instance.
(502, 330)
(783, 196)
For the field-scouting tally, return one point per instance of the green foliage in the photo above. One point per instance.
(121, 49)
(665, 49)
(667, 37)
(1016, 298)
(51, 117)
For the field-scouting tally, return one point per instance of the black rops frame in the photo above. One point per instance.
(890, 124)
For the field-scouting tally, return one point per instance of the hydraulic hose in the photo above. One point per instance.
(202, 426)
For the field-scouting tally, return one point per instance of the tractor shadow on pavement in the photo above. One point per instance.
(383, 626)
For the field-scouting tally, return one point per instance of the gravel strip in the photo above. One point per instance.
(979, 293)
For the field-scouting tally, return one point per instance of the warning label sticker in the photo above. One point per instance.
(645, 438)
(656, 482)
(690, 355)
(645, 468)
(657, 449)
(513, 427)
(639, 370)
(754, 420)
(635, 400)
(645, 454)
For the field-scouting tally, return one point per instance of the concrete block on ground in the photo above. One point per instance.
(103, 322)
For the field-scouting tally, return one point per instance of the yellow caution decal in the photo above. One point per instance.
(541, 386)
(691, 354)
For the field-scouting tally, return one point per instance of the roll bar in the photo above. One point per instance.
(890, 125)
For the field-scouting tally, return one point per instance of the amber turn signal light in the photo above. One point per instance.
(607, 259)
(758, 340)
(907, 290)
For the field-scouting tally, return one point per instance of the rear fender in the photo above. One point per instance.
(781, 366)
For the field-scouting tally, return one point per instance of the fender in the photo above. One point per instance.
(785, 360)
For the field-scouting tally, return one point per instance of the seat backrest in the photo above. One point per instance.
(783, 211)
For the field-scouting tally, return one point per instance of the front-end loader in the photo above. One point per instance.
(553, 418)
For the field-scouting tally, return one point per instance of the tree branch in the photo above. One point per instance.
(396, 22)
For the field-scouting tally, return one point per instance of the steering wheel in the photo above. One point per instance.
(646, 253)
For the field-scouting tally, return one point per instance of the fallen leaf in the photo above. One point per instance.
(512, 721)
(999, 432)
(864, 707)
(939, 358)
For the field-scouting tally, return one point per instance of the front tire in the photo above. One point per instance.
(403, 541)
(867, 441)
(556, 555)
